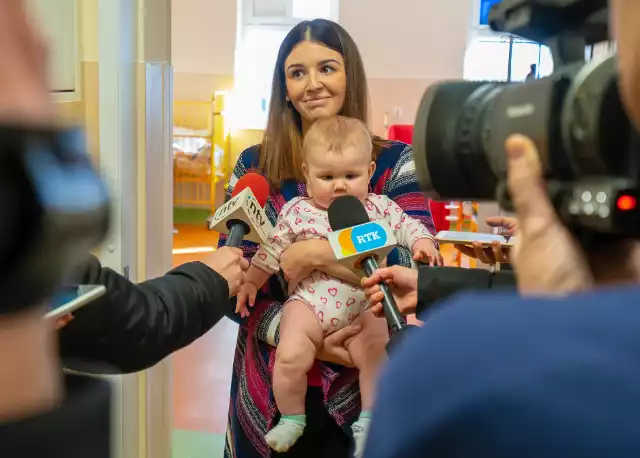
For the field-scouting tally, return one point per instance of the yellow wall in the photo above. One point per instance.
(85, 111)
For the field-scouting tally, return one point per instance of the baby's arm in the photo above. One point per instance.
(264, 264)
(411, 233)
(254, 279)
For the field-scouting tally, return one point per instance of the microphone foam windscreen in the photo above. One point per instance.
(258, 185)
(346, 211)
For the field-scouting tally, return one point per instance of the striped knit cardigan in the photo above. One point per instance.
(252, 408)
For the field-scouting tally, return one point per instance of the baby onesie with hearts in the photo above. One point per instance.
(335, 302)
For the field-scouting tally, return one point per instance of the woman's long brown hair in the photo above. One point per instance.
(281, 148)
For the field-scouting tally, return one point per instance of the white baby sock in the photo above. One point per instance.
(286, 433)
(360, 429)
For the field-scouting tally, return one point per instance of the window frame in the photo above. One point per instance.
(249, 19)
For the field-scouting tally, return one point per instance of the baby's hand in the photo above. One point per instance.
(425, 250)
(246, 298)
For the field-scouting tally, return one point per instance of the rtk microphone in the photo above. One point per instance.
(359, 243)
(242, 217)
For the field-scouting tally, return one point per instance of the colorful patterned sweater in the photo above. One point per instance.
(252, 408)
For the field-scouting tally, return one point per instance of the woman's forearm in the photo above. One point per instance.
(326, 261)
(342, 272)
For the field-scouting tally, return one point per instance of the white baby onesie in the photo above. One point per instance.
(335, 302)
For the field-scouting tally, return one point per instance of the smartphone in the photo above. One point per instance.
(467, 238)
(70, 298)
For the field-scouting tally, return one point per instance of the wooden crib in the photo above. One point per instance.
(198, 157)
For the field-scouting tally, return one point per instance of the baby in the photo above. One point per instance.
(337, 161)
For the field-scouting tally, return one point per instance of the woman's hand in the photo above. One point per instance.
(334, 346)
(426, 250)
(403, 283)
(301, 258)
(497, 253)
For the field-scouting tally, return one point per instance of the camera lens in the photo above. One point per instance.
(596, 130)
(451, 138)
(574, 117)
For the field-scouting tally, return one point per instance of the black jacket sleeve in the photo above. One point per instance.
(437, 283)
(134, 326)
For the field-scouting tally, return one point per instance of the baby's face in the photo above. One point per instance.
(331, 175)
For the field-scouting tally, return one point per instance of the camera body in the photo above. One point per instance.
(587, 145)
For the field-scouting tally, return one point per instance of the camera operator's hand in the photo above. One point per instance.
(403, 283)
(496, 253)
(229, 263)
(23, 83)
(547, 258)
(61, 322)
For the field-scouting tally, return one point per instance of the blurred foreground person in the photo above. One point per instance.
(44, 413)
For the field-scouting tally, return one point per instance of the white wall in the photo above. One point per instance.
(203, 36)
(406, 45)
(409, 38)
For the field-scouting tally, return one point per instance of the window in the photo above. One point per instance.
(524, 55)
(309, 9)
(487, 58)
(262, 27)
(545, 67)
(255, 61)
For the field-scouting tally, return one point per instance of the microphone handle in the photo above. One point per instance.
(236, 233)
(391, 312)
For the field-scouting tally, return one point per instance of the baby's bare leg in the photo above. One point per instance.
(300, 338)
(368, 353)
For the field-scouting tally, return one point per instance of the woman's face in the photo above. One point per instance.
(316, 81)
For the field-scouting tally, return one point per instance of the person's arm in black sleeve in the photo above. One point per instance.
(437, 283)
(134, 326)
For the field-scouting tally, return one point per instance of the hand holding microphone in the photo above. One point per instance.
(242, 217)
(230, 264)
(402, 281)
(360, 243)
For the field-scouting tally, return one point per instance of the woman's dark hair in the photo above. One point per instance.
(281, 148)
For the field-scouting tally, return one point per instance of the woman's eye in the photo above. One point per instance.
(297, 74)
(327, 69)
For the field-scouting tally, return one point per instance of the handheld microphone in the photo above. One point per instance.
(243, 217)
(359, 242)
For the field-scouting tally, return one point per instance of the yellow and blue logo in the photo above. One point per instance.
(362, 238)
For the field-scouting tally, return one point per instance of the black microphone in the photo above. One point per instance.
(346, 212)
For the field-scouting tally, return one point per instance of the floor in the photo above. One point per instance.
(202, 371)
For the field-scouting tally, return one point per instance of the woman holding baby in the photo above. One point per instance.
(318, 74)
